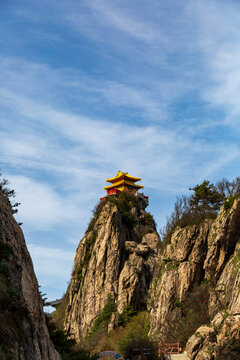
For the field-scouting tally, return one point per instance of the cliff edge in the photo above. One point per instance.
(23, 331)
(114, 260)
(195, 291)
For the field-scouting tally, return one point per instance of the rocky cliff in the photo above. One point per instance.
(190, 287)
(114, 260)
(23, 331)
(196, 288)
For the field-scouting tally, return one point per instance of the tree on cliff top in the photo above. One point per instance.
(203, 204)
(206, 198)
(8, 193)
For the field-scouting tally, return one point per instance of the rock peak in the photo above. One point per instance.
(115, 258)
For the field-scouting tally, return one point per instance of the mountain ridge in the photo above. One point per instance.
(185, 277)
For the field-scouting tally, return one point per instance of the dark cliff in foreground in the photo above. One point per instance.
(23, 331)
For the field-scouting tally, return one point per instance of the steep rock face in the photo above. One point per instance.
(180, 267)
(22, 319)
(220, 341)
(116, 257)
(208, 254)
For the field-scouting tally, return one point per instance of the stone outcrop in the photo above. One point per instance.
(115, 258)
(220, 340)
(24, 333)
(202, 260)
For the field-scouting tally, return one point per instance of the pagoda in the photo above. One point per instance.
(123, 182)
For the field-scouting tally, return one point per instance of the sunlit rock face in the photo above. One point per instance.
(116, 257)
(23, 328)
(205, 256)
(121, 255)
(218, 341)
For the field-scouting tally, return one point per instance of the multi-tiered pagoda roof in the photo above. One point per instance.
(123, 182)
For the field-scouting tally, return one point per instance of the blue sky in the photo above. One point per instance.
(91, 87)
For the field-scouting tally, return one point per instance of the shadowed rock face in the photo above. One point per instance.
(28, 331)
(115, 258)
(210, 254)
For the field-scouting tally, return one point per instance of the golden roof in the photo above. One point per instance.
(122, 183)
(123, 176)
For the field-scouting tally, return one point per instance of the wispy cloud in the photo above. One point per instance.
(41, 206)
(218, 40)
(150, 88)
(53, 266)
(121, 20)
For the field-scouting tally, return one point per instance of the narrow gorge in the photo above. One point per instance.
(189, 287)
(128, 287)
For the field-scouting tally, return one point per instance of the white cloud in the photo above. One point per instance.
(41, 206)
(116, 18)
(91, 153)
(218, 40)
(124, 90)
(52, 267)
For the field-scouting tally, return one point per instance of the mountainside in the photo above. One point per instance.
(197, 283)
(114, 263)
(23, 331)
(190, 287)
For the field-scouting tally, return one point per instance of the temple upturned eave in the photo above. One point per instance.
(121, 176)
(122, 183)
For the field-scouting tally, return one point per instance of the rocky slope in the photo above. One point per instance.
(191, 287)
(114, 260)
(23, 331)
(197, 283)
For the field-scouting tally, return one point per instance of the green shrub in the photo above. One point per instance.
(8, 194)
(126, 315)
(58, 316)
(4, 268)
(87, 255)
(236, 263)
(193, 312)
(149, 220)
(125, 202)
(65, 344)
(15, 293)
(228, 203)
(105, 316)
(96, 212)
(169, 265)
(13, 314)
(203, 204)
(177, 303)
(5, 251)
(136, 335)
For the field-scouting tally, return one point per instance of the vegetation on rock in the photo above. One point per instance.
(65, 344)
(9, 194)
(126, 315)
(12, 310)
(133, 334)
(125, 203)
(187, 316)
(203, 204)
(103, 319)
(58, 316)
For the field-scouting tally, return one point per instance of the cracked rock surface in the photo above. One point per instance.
(113, 259)
(32, 342)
